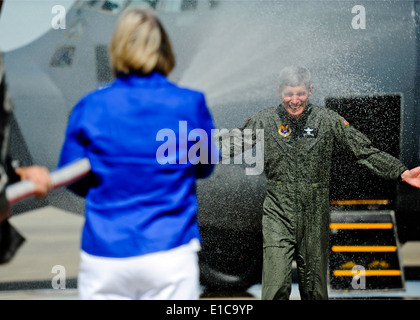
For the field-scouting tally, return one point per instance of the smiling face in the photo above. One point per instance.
(295, 99)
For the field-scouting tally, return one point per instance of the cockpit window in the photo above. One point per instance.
(114, 6)
(63, 56)
(103, 66)
(176, 5)
(108, 6)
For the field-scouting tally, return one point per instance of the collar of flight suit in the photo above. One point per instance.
(283, 118)
(297, 125)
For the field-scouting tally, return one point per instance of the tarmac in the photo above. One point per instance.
(46, 265)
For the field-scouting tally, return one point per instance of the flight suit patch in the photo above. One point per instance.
(285, 130)
(344, 121)
(309, 132)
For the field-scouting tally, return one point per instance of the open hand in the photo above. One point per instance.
(412, 177)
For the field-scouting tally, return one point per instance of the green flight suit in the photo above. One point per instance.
(297, 165)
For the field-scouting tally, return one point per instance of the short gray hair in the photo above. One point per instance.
(294, 76)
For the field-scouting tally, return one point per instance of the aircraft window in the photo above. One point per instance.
(108, 6)
(149, 3)
(177, 5)
(213, 3)
(114, 6)
(91, 3)
(103, 66)
(63, 56)
(188, 4)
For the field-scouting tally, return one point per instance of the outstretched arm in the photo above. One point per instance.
(378, 162)
(412, 177)
(236, 141)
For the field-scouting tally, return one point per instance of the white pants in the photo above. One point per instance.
(164, 275)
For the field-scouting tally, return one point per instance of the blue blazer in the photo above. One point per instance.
(147, 140)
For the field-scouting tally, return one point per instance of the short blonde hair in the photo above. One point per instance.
(140, 44)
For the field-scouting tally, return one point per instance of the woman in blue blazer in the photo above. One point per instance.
(147, 141)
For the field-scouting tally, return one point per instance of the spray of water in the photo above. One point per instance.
(244, 44)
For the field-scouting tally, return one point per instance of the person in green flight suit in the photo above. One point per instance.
(298, 143)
